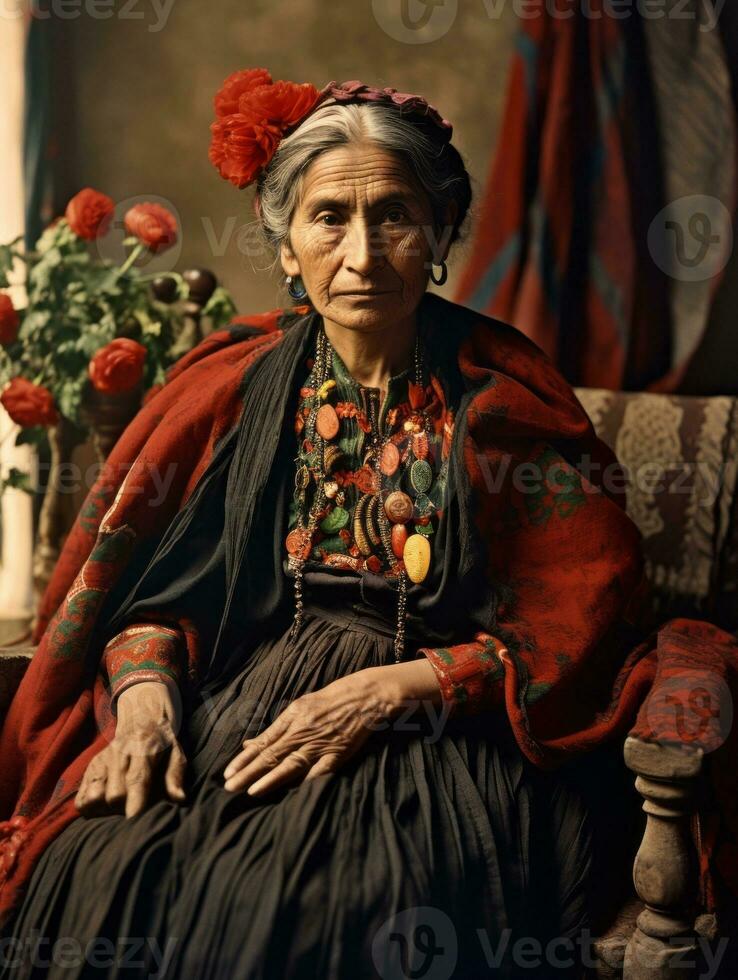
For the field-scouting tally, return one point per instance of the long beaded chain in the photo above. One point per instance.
(318, 378)
(319, 381)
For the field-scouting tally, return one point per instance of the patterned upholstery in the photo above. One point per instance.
(681, 458)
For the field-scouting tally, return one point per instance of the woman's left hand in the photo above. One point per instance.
(319, 731)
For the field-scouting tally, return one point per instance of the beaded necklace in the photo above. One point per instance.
(380, 517)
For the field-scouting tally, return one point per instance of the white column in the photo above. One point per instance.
(16, 506)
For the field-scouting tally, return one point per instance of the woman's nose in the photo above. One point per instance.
(365, 248)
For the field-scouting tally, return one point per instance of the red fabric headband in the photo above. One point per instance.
(253, 113)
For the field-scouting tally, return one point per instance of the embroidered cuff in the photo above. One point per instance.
(471, 675)
(142, 652)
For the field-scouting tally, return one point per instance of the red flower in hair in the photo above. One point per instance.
(226, 99)
(253, 115)
(240, 147)
(282, 104)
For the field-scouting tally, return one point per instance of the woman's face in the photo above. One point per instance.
(361, 236)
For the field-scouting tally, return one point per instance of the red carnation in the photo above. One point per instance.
(240, 147)
(89, 213)
(282, 104)
(226, 99)
(152, 224)
(118, 366)
(9, 320)
(244, 141)
(29, 404)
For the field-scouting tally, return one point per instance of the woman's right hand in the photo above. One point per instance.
(144, 754)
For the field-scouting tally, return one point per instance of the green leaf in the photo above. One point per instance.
(220, 308)
(69, 397)
(33, 436)
(148, 326)
(6, 264)
(18, 480)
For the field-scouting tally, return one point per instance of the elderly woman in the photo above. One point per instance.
(346, 597)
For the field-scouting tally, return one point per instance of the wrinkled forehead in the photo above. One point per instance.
(359, 175)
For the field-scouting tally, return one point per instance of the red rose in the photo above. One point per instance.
(118, 366)
(9, 320)
(29, 404)
(152, 224)
(226, 99)
(244, 141)
(89, 213)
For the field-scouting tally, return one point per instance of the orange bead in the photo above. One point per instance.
(398, 537)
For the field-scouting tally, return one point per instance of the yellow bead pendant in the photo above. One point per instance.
(416, 556)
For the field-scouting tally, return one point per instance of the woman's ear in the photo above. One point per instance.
(287, 257)
(443, 232)
(444, 240)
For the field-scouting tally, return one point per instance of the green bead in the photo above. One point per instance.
(426, 529)
(421, 475)
(331, 545)
(423, 504)
(335, 521)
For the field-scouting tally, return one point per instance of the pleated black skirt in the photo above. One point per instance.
(437, 851)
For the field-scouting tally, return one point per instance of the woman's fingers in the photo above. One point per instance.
(115, 785)
(326, 764)
(265, 742)
(121, 777)
(174, 776)
(138, 784)
(268, 758)
(290, 769)
(91, 793)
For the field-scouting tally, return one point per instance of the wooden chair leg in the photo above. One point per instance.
(664, 945)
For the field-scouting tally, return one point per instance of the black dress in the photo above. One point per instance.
(432, 851)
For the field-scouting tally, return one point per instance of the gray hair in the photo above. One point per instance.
(437, 167)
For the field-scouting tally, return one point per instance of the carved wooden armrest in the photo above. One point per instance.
(664, 944)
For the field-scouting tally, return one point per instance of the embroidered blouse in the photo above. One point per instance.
(356, 543)
(466, 672)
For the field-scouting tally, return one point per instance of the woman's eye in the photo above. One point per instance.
(329, 220)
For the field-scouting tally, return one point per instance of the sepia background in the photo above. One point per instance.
(135, 97)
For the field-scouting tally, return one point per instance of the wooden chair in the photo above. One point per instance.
(681, 457)
(691, 551)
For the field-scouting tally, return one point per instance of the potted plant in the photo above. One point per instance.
(94, 338)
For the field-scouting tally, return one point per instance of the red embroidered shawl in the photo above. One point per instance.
(564, 546)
